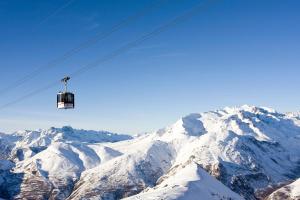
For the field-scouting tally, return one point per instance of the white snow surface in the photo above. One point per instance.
(289, 192)
(206, 155)
(295, 188)
(189, 183)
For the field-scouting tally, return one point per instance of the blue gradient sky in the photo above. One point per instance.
(232, 53)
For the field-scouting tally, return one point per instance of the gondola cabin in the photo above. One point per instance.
(65, 100)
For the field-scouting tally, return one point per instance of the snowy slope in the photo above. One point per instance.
(187, 182)
(246, 149)
(140, 164)
(288, 192)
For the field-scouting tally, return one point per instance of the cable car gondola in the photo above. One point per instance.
(65, 100)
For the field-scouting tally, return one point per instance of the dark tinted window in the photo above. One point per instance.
(66, 98)
(60, 97)
(69, 98)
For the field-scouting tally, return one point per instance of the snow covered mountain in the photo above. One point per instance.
(47, 163)
(234, 153)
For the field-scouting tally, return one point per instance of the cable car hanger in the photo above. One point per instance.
(65, 100)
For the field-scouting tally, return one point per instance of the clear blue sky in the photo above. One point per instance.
(232, 53)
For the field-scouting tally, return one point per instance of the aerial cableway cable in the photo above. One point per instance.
(100, 36)
(123, 49)
(142, 39)
(58, 10)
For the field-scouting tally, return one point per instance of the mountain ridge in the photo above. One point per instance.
(242, 151)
